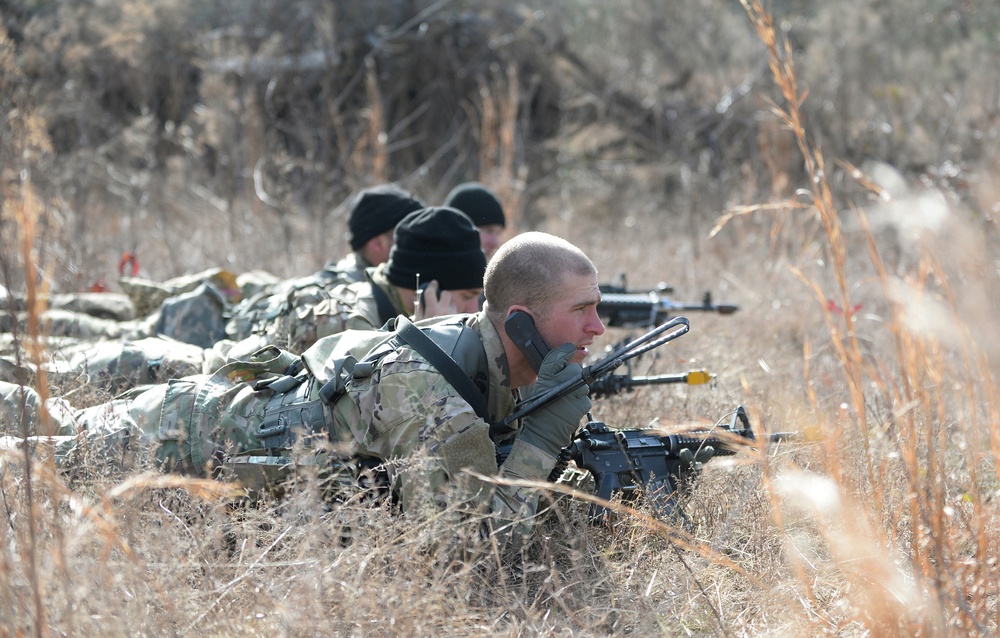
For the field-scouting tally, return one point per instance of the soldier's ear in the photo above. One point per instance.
(518, 308)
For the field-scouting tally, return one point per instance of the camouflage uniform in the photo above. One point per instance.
(119, 365)
(404, 413)
(193, 315)
(311, 312)
(378, 413)
(78, 315)
(17, 401)
(366, 314)
(352, 267)
(350, 305)
(189, 424)
(93, 339)
(148, 296)
(113, 365)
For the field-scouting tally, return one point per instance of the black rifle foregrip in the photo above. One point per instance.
(677, 442)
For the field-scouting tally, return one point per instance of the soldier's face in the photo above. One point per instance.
(378, 248)
(571, 317)
(489, 238)
(466, 301)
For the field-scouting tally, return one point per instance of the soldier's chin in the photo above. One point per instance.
(581, 354)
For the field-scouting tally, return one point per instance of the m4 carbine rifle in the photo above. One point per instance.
(634, 461)
(647, 461)
(621, 309)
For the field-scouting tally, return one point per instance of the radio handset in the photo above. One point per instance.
(520, 328)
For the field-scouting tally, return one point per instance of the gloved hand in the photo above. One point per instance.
(551, 428)
(690, 459)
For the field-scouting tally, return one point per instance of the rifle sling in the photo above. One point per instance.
(451, 371)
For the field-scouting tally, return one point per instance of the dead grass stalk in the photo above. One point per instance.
(910, 559)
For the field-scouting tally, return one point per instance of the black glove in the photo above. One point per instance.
(693, 460)
(551, 428)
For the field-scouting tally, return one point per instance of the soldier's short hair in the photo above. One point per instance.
(529, 270)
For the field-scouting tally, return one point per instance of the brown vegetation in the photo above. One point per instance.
(831, 172)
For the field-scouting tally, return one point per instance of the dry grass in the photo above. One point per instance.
(882, 523)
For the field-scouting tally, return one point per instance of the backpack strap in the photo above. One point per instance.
(386, 310)
(451, 371)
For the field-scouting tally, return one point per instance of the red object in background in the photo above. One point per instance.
(99, 285)
(835, 308)
(128, 257)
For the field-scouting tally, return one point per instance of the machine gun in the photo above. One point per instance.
(620, 309)
(647, 461)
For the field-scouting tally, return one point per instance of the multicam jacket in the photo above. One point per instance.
(188, 424)
(404, 413)
(295, 313)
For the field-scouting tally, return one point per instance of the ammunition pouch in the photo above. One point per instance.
(290, 414)
(292, 410)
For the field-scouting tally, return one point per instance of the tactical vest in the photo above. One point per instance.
(298, 416)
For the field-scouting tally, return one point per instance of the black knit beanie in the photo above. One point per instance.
(437, 243)
(378, 210)
(478, 202)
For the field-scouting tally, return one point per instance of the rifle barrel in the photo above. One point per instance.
(721, 308)
(694, 377)
(677, 377)
(615, 383)
(780, 437)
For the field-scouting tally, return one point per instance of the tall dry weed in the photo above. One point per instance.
(23, 148)
(501, 163)
(901, 503)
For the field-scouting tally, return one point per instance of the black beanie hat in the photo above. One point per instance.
(478, 202)
(378, 210)
(437, 243)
